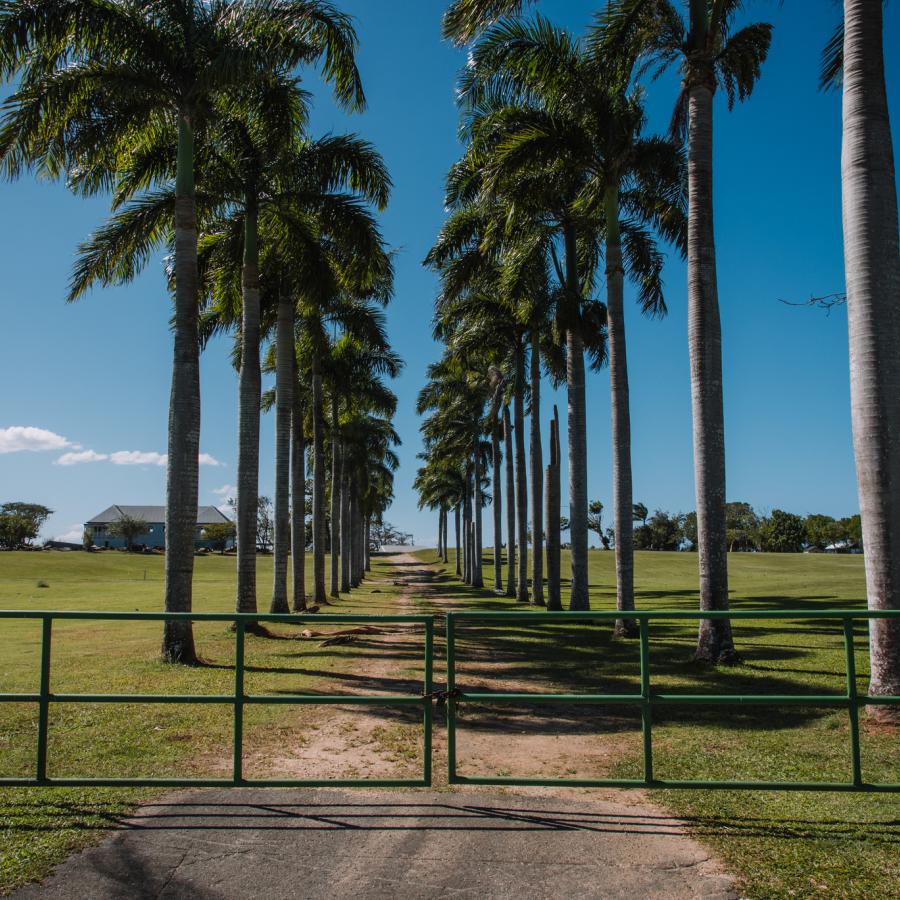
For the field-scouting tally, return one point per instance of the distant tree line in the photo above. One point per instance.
(747, 530)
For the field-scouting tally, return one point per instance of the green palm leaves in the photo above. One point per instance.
(190, 113)
(558, 186)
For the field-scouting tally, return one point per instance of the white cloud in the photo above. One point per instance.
(73, 536)
(82, 456)
(137, 458)
(27, 437)
(227, 490)
(152, 458)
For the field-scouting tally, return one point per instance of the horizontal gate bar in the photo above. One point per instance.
(675, 699)
(213, 782)
(664, 783)
(335, 699)
(287, 618)
(694, 614)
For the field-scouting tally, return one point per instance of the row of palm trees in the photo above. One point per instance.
(192, 115)
(558, 180)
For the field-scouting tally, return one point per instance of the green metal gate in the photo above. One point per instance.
(647, 699)
(237, 700)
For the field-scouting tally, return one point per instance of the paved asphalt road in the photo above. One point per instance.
(262, 844)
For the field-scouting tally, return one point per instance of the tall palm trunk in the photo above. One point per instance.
(248, 419)
(578, 502)
(285, 354)
(552, 496)
(298, 502)
(335, 499)
(623, 503)
(510, 505)
(467, 531)
(714, 641)
(182, 475)
(458, 544)
(872, 254)
(440, 538)
(318, 511)
(446, 556)
(477, 550)
(497, 506)
(521, 477)
(355, 574)
(367, 534)
(346, 540)
(537, 465)
(351, 537)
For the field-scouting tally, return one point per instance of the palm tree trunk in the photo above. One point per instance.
(714, 641)
(510, 505)
(298, 502)
(477, 553)
(521, 477)
(537, 465)
(552, 496)
(458, 544)
(346, 540)
(623, 501)
(285, 355)
(355, 574)
(335, 499)
(351, 538)
(361, 549)
(467, 531)
(872, 254)
(248, 420)
(182, 475)
(318, 511)
(497, 504)
(440, 537)
(578, 531)
(578, 502)
(366, 536)
(446, 556)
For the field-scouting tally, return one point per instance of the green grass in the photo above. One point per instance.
(38, 828)
(780, 844)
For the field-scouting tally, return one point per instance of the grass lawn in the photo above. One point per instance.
(38, 828)
(780, 844)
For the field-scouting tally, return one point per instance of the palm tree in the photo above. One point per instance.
(639, 513)
(542, 195)
(302, 211)
(357, 318)
(552, 517)
(455, 396)
(354, 382)
(871, 241)
(630, 183)
(712, 55)
(97, 77)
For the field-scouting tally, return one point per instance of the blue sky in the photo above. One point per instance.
(95, 375)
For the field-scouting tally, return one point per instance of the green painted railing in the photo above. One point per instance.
(647, 699)
(237, 700)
